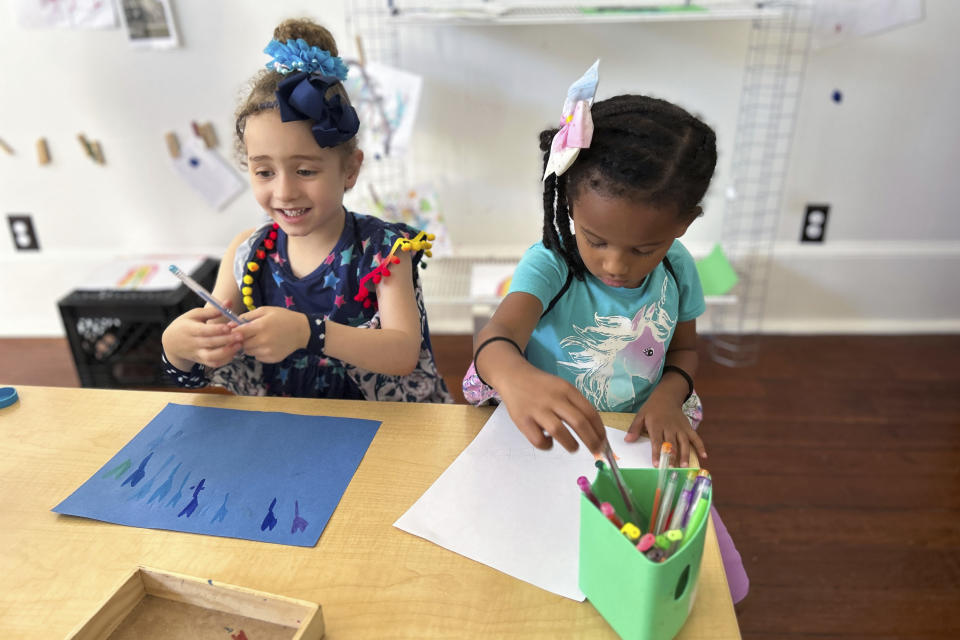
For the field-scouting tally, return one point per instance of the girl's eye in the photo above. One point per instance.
(306, 172)
(596, 245)
(638, 252)
(263, 173)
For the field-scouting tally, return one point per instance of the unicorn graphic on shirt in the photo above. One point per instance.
(616, 349)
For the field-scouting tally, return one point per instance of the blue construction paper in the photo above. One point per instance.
(273, 477)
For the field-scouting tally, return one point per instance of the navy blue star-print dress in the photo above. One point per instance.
(329, 290)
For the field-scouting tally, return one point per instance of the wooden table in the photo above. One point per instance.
(372, 580)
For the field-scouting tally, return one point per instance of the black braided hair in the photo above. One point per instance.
(642, 148)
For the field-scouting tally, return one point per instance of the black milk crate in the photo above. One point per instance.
(115, 335)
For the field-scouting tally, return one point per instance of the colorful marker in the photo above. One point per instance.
(656, 555)
(664, 515)
(683, 502)
(674, 538)
(631, 531)
(584, 485)
(646, 543)
(608, 511)
(666, 449)
(702, 476)
(699, 512)
(621, 484)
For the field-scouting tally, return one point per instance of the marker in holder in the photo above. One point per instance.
(638, 597)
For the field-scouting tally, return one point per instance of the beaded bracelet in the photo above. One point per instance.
(318, 333)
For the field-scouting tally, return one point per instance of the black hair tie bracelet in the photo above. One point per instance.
(485, 343)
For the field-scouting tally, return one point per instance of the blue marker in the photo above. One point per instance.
(203, 293)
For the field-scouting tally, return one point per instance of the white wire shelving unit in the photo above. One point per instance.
(773, 76)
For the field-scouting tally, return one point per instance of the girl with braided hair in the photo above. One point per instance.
(322, 316)
(601, 313)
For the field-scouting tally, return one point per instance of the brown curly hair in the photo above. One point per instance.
(263, 85)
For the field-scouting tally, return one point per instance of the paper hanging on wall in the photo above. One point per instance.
(418, 207)
(207, 172)
(255, 475)
(717, 276)
(64, 14)
(386, 99)
(149, 24)
(837, 22)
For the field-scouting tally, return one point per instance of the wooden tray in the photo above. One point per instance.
(151, 603)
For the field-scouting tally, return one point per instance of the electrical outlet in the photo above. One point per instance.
(24, 235)
(814, 227)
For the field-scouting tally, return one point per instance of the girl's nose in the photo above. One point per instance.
(615, 265)
(287, 189)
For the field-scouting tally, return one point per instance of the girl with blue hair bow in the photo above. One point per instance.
(330, 299)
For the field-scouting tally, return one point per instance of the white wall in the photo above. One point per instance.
(880, 158)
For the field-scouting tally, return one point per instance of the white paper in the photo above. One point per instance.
(208, 173)
(149, 273)
(836, 22)
(514, 507)
(386, 100)
(490, 282)
(62, 14)
(149, 24)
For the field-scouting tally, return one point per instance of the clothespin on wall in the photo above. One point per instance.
(43, 151)
(209, 137)
(97, 151)
(7, 148)
(86, 146)
(361, 57)
(173, 145)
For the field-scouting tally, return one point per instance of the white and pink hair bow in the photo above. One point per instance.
(576, 128)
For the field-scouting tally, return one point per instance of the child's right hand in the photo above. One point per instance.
(200, 335)
(538, 402)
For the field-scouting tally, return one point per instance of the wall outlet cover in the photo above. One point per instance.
(23, 232)
(814, 227)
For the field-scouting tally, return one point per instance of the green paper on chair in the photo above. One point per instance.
(716, 274)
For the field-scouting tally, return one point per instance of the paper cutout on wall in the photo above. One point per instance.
(386, 99)
(417, 207)
(717, 276)
(272, 477)
(207, 172)
(837, 22)
(149, 24)
(65, 14)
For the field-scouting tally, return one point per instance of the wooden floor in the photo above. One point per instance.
(836, 465)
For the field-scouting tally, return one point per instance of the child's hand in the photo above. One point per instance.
(538, 401)
(665, 422)
(272, 333)
(200, 335)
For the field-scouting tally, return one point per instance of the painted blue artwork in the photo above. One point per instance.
(273, 477)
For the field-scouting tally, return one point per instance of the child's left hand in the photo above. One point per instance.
(665, 422)
(272, 333)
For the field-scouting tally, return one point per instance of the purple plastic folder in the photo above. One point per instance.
(268, 476)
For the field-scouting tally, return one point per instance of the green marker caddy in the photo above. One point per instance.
(638, 597)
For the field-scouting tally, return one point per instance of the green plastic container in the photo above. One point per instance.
(638, 597)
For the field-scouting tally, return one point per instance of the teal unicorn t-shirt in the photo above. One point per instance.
(609, 342)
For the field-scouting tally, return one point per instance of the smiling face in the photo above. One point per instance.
(298, 183)
(621, 239)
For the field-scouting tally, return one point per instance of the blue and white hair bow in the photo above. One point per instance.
(576, 128)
